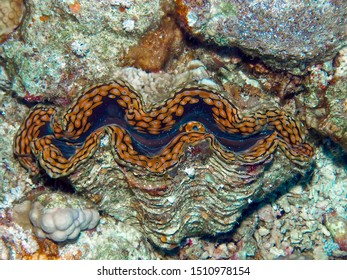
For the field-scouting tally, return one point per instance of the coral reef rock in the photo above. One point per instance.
(88, 41)
(284, 34)
(324, 107)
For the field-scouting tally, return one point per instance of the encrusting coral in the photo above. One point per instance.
(11, 13)
(156, 47)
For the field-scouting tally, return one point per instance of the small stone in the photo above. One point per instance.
(171, 199)
(4, 251)
(325, 231)
(231, 247)
(337, 226)
(277, 252)
(296, 190)
(341, 61)
(122, 3)
(128, 25)
(266, 213)
(284, 204)
(79, 48)
(221, 252)
(304, 214)
(295, 236)
(263, 231)
(190, 172)
(339, 254)
(319, 253)
(205, 255)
